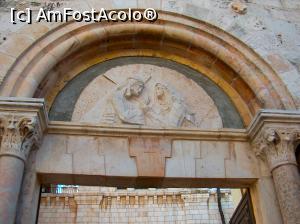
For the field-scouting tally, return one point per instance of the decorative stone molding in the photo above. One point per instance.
(19, 135)
(276, 145)
(273, 134)
(67, 128)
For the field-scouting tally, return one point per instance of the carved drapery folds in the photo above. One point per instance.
(277, 146)
(158, 106)
(19, 135)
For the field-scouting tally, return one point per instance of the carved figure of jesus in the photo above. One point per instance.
(126, 104)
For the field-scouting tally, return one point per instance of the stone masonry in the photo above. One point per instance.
(216, 104)
(111, 205)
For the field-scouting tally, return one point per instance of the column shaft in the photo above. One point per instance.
(22, 122)
(29, 194)
(276, 145)
(287, 185)
(11, 174)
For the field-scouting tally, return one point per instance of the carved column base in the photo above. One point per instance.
(287, 185)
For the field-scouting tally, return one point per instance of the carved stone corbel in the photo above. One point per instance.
(19, 135)
(276, 146)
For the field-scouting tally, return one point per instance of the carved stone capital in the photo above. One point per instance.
(19, 135)
(277, 146)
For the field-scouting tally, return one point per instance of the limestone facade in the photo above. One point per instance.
(271, 28)
(134, 206)
(51, 164)
(233, 67)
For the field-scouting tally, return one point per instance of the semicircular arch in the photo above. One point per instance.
(60, 55)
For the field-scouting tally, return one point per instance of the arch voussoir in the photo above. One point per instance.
(69, 39)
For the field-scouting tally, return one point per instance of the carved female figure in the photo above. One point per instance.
(168, 108)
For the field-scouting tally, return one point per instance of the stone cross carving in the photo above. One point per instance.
(151, 154)
(163, 108)
(19, 134)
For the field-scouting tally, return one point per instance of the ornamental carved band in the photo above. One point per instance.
(19, 134)
(277, 146)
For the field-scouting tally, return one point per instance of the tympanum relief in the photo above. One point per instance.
(161, 107)
(146, 95)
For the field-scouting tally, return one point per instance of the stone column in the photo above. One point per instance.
(20, 133)
(277, 147)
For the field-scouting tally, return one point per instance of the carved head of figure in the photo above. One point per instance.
(133, 87)
(163, 96)
(271, 136)
(160, 90)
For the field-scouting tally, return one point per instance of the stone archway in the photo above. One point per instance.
(249, 81)
(43, 70)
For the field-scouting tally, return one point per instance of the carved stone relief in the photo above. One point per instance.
(146, 95)
(276, 146)
(167, 107)
(19, 134)
(125, 105)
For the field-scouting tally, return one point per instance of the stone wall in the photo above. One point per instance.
(135, 206)
(61, 156)
(271, 28)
